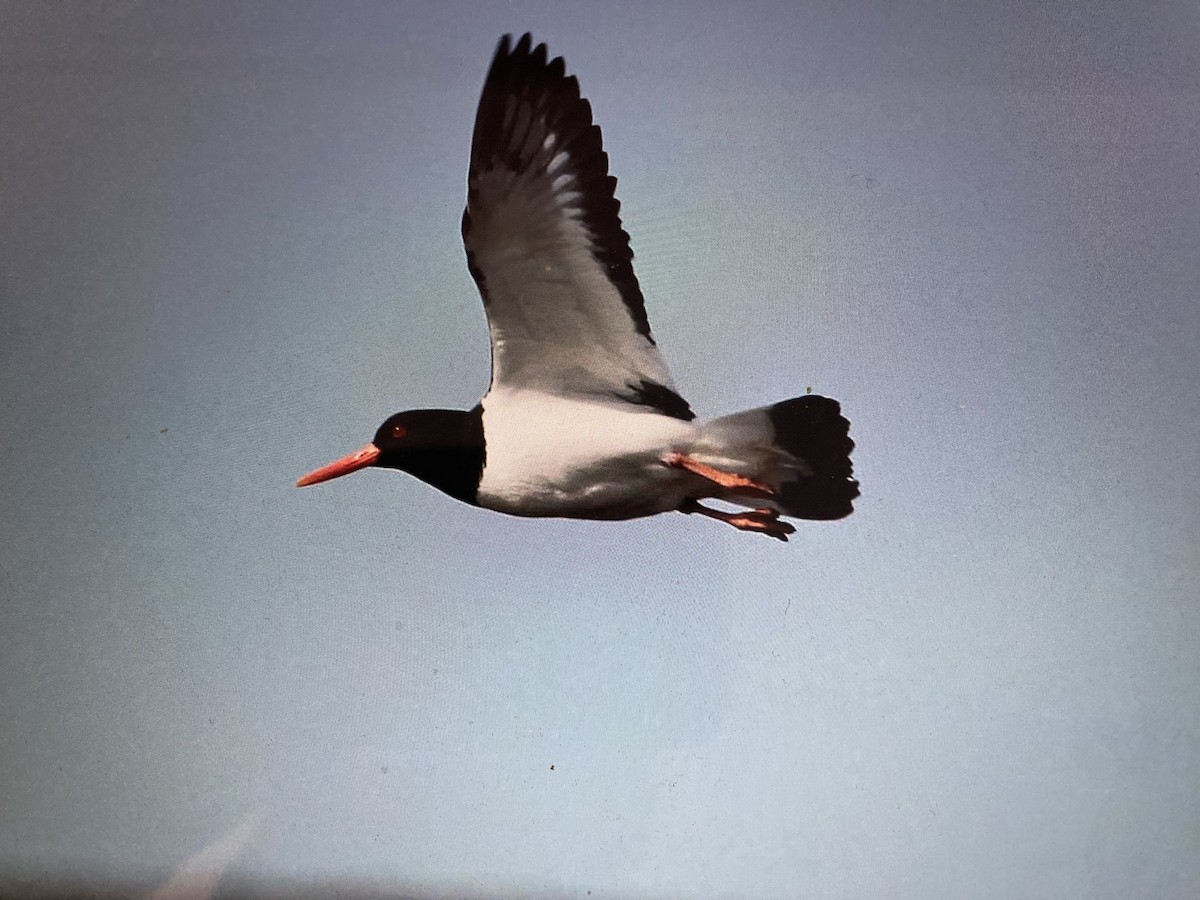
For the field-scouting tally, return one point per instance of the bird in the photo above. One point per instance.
(581, 419)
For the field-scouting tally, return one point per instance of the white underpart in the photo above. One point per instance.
(553, 455)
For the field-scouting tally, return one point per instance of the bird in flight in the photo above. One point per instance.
(581, 419)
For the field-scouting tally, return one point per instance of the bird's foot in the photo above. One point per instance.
(743, 484)
(764, 521)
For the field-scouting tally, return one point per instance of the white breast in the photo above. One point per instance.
(549, 455)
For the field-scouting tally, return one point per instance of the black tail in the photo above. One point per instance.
(812, 429)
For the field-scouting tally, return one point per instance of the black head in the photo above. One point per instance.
(442, 447)
(414, 433)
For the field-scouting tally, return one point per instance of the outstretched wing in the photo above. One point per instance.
(545, 245)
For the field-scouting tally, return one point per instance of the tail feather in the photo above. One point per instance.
(813, 431)
(800, 446)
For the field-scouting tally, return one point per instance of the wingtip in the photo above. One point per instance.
(505, 47)
(538, 54)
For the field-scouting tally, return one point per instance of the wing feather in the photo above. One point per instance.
(544, 242)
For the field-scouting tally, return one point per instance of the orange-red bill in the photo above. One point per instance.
(359, 459)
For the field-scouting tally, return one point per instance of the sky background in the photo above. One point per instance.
(229, 249)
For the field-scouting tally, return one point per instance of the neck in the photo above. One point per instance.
(454, 462)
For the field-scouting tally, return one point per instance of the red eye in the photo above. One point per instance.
(398, 431)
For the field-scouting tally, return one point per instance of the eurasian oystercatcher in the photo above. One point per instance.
(582, 419)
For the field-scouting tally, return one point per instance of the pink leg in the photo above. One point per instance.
(742, 483)
(765, 521)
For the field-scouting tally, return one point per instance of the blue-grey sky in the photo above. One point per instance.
(229, 249)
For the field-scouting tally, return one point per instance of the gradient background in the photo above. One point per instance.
(230, 249)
